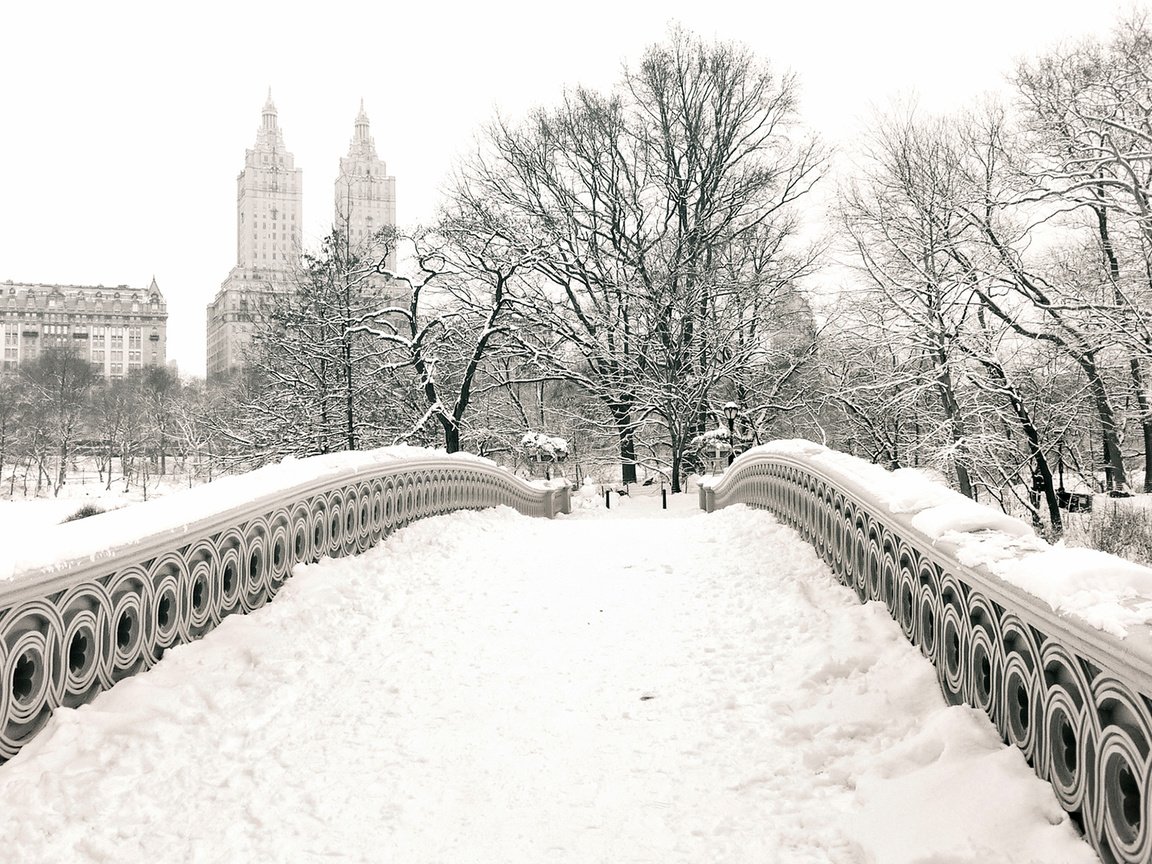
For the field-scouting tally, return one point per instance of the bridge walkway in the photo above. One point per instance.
(485, 687)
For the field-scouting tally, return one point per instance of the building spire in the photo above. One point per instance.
(269, 115)
(362, 146)
(268, 136)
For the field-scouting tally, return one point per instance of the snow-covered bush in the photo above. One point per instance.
(538, 447)
(712, 441)
(1115, 528)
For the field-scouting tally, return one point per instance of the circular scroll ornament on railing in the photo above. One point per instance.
(1021, 696)
(1071, 732)
(986, 658)
(229, 548)
(955, 638)
(86, 610)
(169, 577)
(130, 637)
(280, 554)
(255, 569)
(32, 672)
(202, 592)
(1123, 770)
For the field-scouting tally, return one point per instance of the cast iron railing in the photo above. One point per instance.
(1076, 700)
(107, 601)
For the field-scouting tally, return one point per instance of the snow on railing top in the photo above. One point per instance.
(1101, 590)
(96, 538)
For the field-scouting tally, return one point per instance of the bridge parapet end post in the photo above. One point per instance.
(978, 593)
(561, 499)
(707, 497)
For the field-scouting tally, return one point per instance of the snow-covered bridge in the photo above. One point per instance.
(625, 685)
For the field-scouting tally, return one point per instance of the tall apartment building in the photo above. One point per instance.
(365, 194)
(117, 329)
(269, 223)
(269, 219)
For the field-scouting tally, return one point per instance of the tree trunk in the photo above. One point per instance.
(677, 462)
(1112, 457)
(350, 395)
(1113, 460)
(955, 421)
(451, 435)
(1142, 402)
(622, 416)
(1033, 446)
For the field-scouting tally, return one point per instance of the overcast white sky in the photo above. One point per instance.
(123, 125)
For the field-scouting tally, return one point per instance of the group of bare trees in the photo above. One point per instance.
(613, 268)
(57, 417)
(1005, 299)
(608, 271)
(656, 221)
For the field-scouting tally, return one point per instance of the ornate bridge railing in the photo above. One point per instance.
(1075, 699)
(119, 589)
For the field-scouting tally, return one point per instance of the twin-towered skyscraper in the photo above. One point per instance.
(269, 225)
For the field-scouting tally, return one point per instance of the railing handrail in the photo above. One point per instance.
(1074, 698)
(33, 569)
(1129, 657)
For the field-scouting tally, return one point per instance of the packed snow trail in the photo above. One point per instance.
(484, 687)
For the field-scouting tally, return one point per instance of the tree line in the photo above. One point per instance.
(1004, 277)
(606, 270)
(57, 416)
(614, 267)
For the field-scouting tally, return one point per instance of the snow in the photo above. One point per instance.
(98, 537)
(537, 445)
(1100, 590)
(485, 687)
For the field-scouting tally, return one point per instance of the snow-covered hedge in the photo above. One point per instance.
(1053, 643)
(99, 599)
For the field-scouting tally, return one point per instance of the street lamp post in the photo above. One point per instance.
(731, 409)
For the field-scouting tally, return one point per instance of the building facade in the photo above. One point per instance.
(269, 227)
(269, 220)
(366, 196)
(118, 330)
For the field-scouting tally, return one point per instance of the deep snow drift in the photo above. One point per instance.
(484, 687)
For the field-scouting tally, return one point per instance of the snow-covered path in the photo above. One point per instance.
(485, 687)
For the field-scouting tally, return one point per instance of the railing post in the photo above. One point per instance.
(562, 499)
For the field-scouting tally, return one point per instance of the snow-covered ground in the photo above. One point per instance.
(20, 514)
(484, 687)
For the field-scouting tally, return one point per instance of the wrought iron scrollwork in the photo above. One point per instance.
(1076, 702)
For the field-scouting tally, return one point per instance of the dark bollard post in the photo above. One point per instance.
(607, 500)
(663, 498)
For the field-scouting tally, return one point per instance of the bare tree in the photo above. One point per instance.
(1086, 108)
(459, 300)
(634, 197)
(60, 381)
